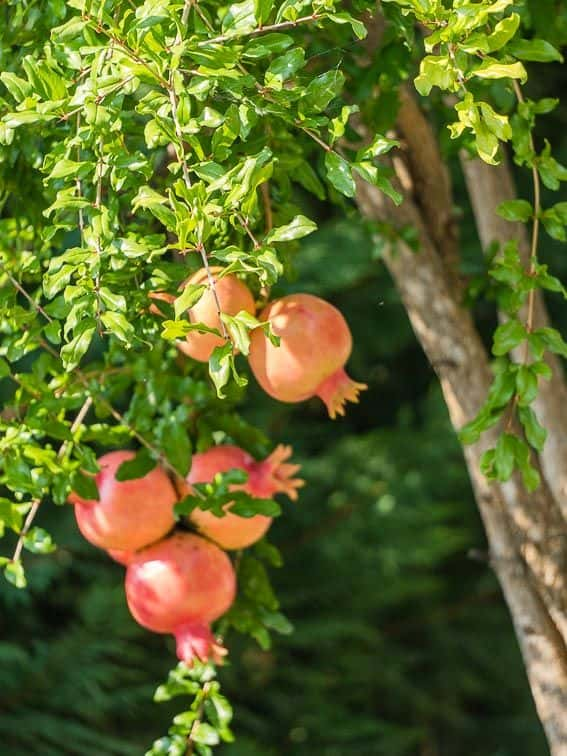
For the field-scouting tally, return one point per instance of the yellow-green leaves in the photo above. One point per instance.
(436, 71)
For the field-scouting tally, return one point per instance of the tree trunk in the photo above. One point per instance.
(526, 533)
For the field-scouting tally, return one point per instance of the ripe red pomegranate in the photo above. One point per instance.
(129, 514)
(233, 296)
(179, 586)
(315, 343)
(272, 475)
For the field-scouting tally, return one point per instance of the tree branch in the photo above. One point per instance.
(431, 181)
(489, 186)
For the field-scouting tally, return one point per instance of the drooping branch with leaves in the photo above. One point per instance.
(156, 158)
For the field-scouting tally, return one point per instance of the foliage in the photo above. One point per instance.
(140, 141)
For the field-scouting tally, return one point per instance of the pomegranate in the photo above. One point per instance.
(121, 556)
(179, 586)
(130, 514)
(272, 475)
(160, 296)
(233, 296)
(315, 343)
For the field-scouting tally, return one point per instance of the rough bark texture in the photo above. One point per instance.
(489, 186)
(526, 533)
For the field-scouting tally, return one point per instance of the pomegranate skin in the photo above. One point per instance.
(265, 478)
(121, 556)
(129, 514)
(315, 343)
(233, 296)
(179, 586)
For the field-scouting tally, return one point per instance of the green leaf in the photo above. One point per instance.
(504, 457)
(84, 486)
(495, 70)
(276, 621)
(192, 293)
(553, 340)
(435, 71)
(508, 336)
(10, 515)
(137, 467)
(176, 445)
(72, 352)
(373, 175)
(357, 26)
(526, 383)
(515, 210)
(18, 88)
(283, 68)
(322, 90)
(178, 329)
(380, 145)
(218, 710)
(186, 505)
(25, 118)
(112, 300)
(305, 175)
(262, 10)
(38, 541)
(239, 327)
(204, 733)
(339, 174)
(247, 506)
(221, 365)
(267, 45)
(14, 573)
(118, 325)
(536, 50)
(535, 432)
(299, 227)
(66, 168)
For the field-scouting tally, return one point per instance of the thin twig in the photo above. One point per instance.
(197, 720)
(78, 181)
(246, 226)
(261, 30)
(97, 397)
(183, 160)
(269, 218)
(535, 226)
(201, 249)
(124, 48)
(36, 502)
(98, 204)
(24, 293)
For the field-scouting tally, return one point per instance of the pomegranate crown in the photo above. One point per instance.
(196, 641)
(337, 390)
(275, 475)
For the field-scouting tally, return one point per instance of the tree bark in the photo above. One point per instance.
(526, 533)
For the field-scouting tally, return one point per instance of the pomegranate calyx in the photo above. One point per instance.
(195, 640)
(337, 390)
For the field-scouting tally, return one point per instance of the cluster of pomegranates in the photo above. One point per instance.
(315, 341)
(178, 581)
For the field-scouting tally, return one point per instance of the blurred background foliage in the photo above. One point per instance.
(402, 643)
